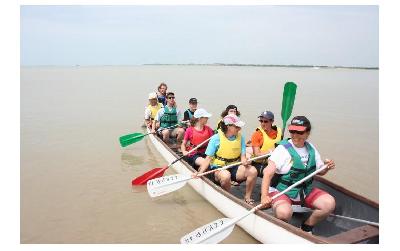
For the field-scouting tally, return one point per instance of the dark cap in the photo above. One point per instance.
(267, 115)
(193, 101)
(300, 123)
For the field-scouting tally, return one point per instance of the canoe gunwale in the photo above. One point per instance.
(288, 227)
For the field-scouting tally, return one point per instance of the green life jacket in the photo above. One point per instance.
(169, 118)
(297, 172)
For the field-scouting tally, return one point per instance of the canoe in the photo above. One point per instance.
(264, 227)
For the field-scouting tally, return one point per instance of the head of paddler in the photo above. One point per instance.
(200, 117)
(232, 125)
(153, 98)
(299, 129)
(230, 109)
(170, 99)
(266, 119)
(162, 88)
(193, 104)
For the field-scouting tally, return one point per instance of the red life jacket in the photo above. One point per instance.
(198, 137)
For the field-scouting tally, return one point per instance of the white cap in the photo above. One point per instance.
(152, 95)
(232, 119)
(201, 113)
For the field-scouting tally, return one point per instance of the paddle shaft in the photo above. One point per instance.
(194, 149)
(183, 179)
(356, 220)
(307, 210)
(234, 164)
(161, 128)
(237, 219)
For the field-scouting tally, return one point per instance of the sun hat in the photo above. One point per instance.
(232, 119)
(201, 113)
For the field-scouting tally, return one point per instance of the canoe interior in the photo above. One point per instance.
(331, 230)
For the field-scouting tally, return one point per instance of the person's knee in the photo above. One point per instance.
(165, 132)
(329, 204)
(252, 172)
(284, 212)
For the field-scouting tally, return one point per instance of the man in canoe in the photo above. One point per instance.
(291, 161)
(151, 110)
(169, 116)
(226, 147)
(264, 139)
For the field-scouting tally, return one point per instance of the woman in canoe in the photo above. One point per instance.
(226, 147)
(291, 161)
(197, 133)
(230, 109)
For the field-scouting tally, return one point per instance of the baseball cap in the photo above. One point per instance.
(193, 101)
(201, 113)
(267, 115)
(232, 119)
(152, 95)
(300, 123)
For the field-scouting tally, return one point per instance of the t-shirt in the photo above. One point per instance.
(282, 159)
(189, 135)
(214, 143)
(257, 138)
(186, 114)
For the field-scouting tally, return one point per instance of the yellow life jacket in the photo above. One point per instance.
(228, 151)
(268, 144)
(154, 110)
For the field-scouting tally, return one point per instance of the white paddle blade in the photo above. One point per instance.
(210, 233)
(163, 185)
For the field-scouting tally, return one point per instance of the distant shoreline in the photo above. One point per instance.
(278, 65)
(219, 64)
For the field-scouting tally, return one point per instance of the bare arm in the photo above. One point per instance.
(183, 147)
(331, 165)
(269, 172)
(204, 166)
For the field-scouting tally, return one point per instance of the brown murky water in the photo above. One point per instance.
(75, 178)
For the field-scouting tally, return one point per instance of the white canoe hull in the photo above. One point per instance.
(260, 228)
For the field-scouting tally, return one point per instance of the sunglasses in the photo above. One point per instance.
(297, 132)
(265, 121)
(171, 97)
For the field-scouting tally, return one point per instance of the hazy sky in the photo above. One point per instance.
(132, 35)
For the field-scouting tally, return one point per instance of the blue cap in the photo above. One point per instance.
(267, 115)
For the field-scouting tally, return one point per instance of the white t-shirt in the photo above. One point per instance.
(283, 161)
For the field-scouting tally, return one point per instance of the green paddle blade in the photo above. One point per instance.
(130, 138)
(289, 94)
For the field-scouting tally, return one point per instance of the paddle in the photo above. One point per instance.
(300, 209)
(159, 171)
(135, 137)
(168, 184)
(218, 230)
(289, 94)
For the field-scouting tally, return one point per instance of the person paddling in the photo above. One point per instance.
(188, 114)
(291, 161)
(226, 147)
(230, 109)
(264, 139)
(151, 110)
(197, 133)
(167, 117)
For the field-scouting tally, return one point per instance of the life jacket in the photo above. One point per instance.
(268, 144)
(190, 113)
(297, 172)
(169, 118)
(228, 151)
(154, 110)
(199, 137)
